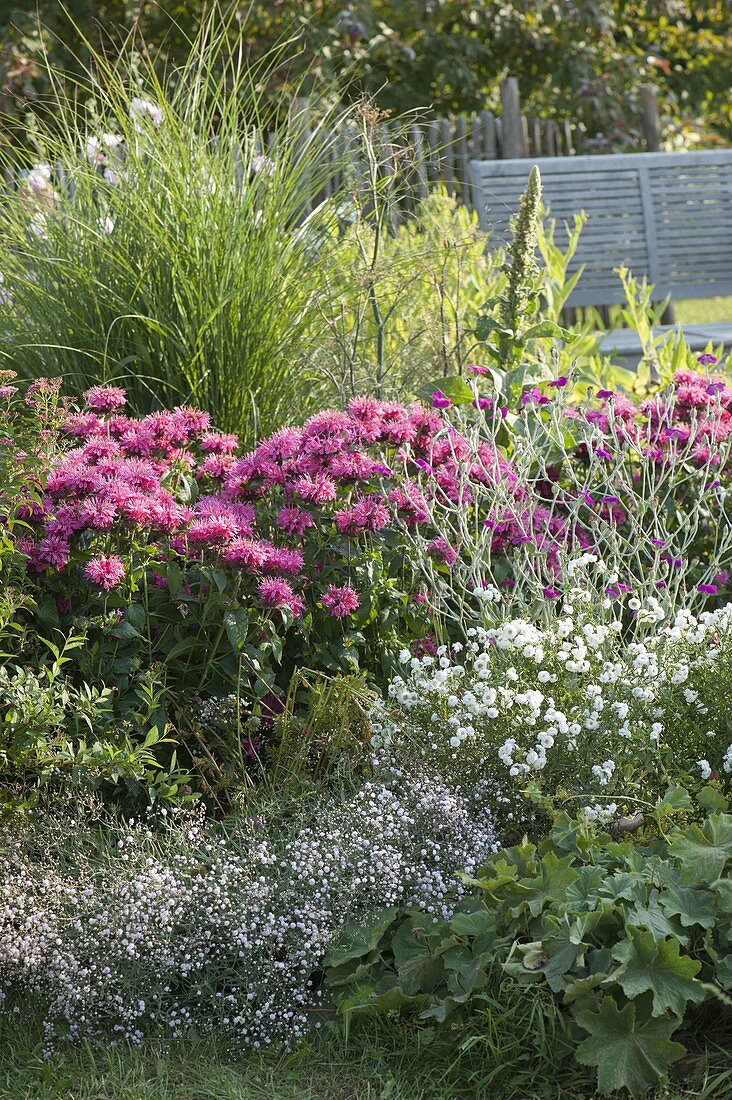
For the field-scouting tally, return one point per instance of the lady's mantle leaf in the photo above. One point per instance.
(626, 1055)
(704, 852)
(651, 965)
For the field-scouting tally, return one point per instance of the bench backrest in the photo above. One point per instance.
(667, 216)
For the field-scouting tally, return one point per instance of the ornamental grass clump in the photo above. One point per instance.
(156, 243)
(202, 930)
(572, 713)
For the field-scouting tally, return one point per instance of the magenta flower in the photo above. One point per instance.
(558, 383)
(475, 368)
(706, 360)
(105, 572)
(105, 398)
(551, 593)
(482, 403)
(340, 602)
(294, 520)
(440, 401)
(715, 387)
(534, 397)
(710, 588)
(274, 592)
(602, 452)
(605, 393)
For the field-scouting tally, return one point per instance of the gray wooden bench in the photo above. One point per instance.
(665, 216)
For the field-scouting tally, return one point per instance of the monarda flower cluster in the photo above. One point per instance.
(289, 518)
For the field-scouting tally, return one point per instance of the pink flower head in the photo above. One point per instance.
(711, 589)
(605, 393)
(294, 521)
(482, 403)
(340, 602)
(105, 572)
(274, 592)
(316, 490)
(442, 549)
(217, 443)
(476, 368)
(105, 398)
(7, 391)
(560, 382)
(551, 593)
(534, 397)
(440, 401)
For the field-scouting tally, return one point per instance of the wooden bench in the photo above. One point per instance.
(665, 216)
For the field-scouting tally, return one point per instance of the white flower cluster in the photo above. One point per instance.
(572, 707)
(224, 930)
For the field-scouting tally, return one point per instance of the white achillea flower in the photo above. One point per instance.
(705, 768)
(590, 710)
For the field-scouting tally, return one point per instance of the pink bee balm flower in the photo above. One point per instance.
(274, 592)
(105, 398)
(216, 443)
(340, 602)
(105, 572)
(440, 401)
(294, 520)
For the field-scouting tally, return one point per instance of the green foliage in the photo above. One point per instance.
(401, 303)
(177, 260)
(629, 938)
(592, 54)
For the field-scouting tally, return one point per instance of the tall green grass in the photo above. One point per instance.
(198, 275)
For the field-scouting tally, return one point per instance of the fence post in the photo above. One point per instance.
(511, 124)
(651, 121)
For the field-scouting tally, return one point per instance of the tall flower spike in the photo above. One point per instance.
(520, 267)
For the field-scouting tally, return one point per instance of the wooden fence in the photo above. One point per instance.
(434, 151)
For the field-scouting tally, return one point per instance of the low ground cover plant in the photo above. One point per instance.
(632, 939)
(210, 930)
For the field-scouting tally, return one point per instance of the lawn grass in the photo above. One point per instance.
(703, 310)
(386, 1061)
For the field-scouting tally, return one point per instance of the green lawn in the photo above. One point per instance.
(697, 311)
(507, 1062)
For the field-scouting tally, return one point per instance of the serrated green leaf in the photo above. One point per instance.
(454, 387)
(703, 852)
(359, 940)
(656, 966)
(543, 330)
(711, 799)
(486, 325)
(555, 875)
(628, 1054)
(690, 904)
